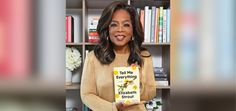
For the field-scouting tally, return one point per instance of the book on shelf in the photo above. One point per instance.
(147, 24)
(155, 23)
(93, 36)
(160, 32)
(158, 70)
(164, 30)
(161, 77)
(153, 19)
(156, 26)
(168, 26)
(69, 29)
(162, 83)
(17, 42)
(126, 84)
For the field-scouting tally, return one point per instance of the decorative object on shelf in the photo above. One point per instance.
(154, 105)
(72, 109)
(73, 61)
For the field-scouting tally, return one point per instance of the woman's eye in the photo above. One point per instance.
(126, 25)
(113, 25)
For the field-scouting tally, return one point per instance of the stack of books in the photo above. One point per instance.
(92, 28)
(160, 76)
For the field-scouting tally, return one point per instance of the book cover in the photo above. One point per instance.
(126, 84)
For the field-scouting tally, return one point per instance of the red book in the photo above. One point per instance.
(66, 29)
(15, 47)
(69, 29)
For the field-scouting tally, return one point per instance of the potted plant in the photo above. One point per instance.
(73, 61)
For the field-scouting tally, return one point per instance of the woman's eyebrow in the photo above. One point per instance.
(122, 21)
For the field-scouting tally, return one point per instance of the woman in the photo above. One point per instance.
(121, 37)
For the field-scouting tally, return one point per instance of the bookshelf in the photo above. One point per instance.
(83, 10)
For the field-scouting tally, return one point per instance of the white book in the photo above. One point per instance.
(168, 26)
(126, 84)
(162, 83)
(149, 25)
(153, 19)
(146, 24)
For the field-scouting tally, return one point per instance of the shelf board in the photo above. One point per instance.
(74, 86)
(87, 43)
(156, 44)
(73, 44)
(163, 87)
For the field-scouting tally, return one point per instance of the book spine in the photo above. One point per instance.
(161, 79)
(149, 26)
(153, 19)
(66, 29)
(168, 26)
(72, 29)
(160, 34)
(162, 83)
(69, 29)
(164, 26)
(156, 25)
(146, 20)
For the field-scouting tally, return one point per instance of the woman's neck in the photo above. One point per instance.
(122, 50)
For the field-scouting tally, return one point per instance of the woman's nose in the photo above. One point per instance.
(120, 28)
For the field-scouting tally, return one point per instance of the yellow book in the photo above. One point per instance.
(126, 83)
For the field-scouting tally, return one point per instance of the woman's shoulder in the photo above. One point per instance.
(90, 55)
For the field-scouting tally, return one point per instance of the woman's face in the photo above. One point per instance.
(120, 28)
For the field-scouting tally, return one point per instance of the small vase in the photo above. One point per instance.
(68, 77)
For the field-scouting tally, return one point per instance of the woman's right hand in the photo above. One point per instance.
(121, 106)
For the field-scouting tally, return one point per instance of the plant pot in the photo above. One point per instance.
(68, 77)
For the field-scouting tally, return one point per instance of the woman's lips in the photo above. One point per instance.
(120, 37)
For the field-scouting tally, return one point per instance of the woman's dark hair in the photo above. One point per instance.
(104, 50)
